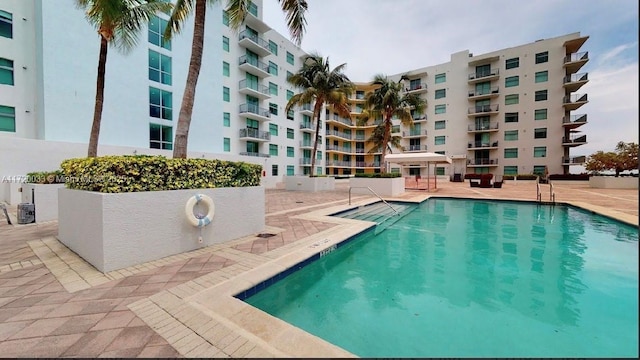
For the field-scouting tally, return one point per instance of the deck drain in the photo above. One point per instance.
(299, 202)
(265, 235)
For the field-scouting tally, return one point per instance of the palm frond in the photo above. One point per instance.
(295, 14)
(181, 12)
(237, 11)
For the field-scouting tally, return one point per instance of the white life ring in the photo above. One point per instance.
(191, 203)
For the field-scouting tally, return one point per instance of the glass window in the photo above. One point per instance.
(289, 95)
(273, 149)
(156, 31)
(226, 94)
(439, 170)
(227, 145)
(395, 129)
(160, 137)
(540, 133)
(511, 135)
(510, 170)
(290, 114)
(160, 104)
(274, 167)
(253, 9)
(273, 47)
(290, 151)
(273, 89)
(439, 140)
(542, 57)
(440, 78)
(273, 129)
(511, 117)
(7, 118)
(541, 95)
(540, 114)
(290, 170)
(226, 119)
(542, 76)
(441, 109)
(290, 58)
(511, 99)
(273, 108)
(319, 155)
(273, 68)
(6, 71)
(226, 69)
(441, 124)
(289, 133)
(539, 169)
(289, 74)
(440, 93)
(512, 63)
(540, 151)
(511, 153)
(360, 94)
(225, 43)
(225, 17)
(512, 81)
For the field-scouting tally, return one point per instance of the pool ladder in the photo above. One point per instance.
(374, 193)
(552, 194)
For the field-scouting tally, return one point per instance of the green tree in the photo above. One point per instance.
(118, 23)
(386, 102)
(237, 11)
(624, 158)
(377, 137)
(321, 85)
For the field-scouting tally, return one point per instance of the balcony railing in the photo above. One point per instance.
(339, 134)
(576, 78)
(483, 74)
(415, 87)
(416, 148)
(575, 119)
(256, 154)
(341, 120)
(339, 163)
(483, 127)
(574, 139)
(244, 84)
(581, 56)
(574, 160)
(254, 109)
(481, 144)
(483, 108)
(574, 98)
(340, 148)
(359, 137)
(482, 161)
(255, 38)
(307, 126)
(414, 133)
(362, 164)
(254, 62)
(255, 134)
(305, 161)
(493, 90)
(419, 117)
(306, 107)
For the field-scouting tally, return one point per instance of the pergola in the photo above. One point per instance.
(419, 158)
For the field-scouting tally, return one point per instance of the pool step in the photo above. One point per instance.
(378, 212)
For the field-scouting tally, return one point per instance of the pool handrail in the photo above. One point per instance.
(374, 193)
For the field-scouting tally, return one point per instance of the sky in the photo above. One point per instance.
(394, 36)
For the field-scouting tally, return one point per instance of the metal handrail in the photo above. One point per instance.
(374, 193)
(552, 194)
(538, 193)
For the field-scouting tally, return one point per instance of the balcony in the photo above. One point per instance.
(574, 101)
(419, 118)
(308, 144)
(373, 124)
(307, 127)
(483, 76)
(484, 94)
(358, 97)
(573, 62)
(573, 141)
(364, 164)
(305, 161)
(574, 160)
(414, 133)
(412, 148)
(474, 145)
(254, 112)
(254, 43)
(335, 163)
(333, 133)
(483, 110)
(306, 109)
(254, 134)
(416, 88)
(574, 121)
(482, 162)
(254, 89)
(337, 119)
(255, 154)
(254, 21)
(253, 66)
(476, 128)
(359, 138)
(574, 82)
(341, 149)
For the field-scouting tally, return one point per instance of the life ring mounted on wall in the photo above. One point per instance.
(199, 221)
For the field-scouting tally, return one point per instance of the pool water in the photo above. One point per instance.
(470, 278)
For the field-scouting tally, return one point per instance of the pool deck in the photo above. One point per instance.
(53, 304)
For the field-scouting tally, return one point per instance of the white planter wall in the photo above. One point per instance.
(611, 182)
(382, 186)
(114, 231)
(46, 200)
(306, 183)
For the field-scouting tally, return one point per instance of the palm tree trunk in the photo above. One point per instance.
(186, 110)
(97, 112)
(385, 143)
(316, 136)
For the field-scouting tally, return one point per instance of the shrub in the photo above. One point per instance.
(508, 177)
(582, 177)
(472, 176)
(379, 175)
(46, 177)
(127, 173)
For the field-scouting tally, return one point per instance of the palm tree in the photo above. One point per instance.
(237, 11)
(376, 139)
(324, 86)
(118, 23)
(386, 102)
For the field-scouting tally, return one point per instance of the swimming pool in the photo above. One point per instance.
(458, 278)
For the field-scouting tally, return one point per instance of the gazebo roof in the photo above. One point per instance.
(427, 157)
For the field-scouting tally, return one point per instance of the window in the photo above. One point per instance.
(290, 58)
(439, 140)
(273, 129)
(290, 114)
(542, 57)
(510, 170)
(273, 108)
(226, 95)
(225, 69)
(441, 109)
(160, 137)
(159, 68)
(511, 135)
(273, 68)
(289, 74)
(6, 24)
(274, 169)
(440, 93)
(319, 155)
(540, 133)
(440, 78)
(290, 151)
(160, 104)
(253, 9)
(441, 124)
(273, 149)
(6, 72)
(440, 170)
(541, 95)
(273, 89)
(394, 129)
(512, 81)
(540, 114)
(227, 145)
(511, 117)
(511, 153)
(156, 31)
(540, 151)
(542, 76)
(511, 99)
(7, 118)
(225, 17)
(225, 43)
(360, 94)
(290, 170)
(289, 133)
(512, 63)
(539, 169)
(226, 119)
(273, 47)
(289, 95)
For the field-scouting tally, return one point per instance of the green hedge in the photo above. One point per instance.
(128, 173)
(520, 177)
(379, 175)
(46, 177)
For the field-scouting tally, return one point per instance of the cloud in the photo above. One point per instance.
(613, 53)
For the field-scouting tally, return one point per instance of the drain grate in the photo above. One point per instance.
(265, 235)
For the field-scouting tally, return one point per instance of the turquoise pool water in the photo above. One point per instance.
(462, 278)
